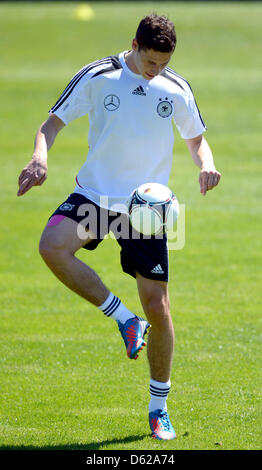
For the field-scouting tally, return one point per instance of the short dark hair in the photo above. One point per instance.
(156, 32)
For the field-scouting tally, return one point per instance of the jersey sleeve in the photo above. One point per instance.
(187, 117)
(74, 102)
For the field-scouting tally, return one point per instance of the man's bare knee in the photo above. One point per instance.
(61, 238)
(157, 310)
(55, 242)
(50, 247)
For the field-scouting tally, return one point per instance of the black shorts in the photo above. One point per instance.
(146, 255)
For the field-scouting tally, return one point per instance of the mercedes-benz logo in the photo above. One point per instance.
(111, 102)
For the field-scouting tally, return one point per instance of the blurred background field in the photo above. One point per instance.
(65, 380)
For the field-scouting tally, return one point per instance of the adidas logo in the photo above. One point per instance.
(139, 91)
(157, 269)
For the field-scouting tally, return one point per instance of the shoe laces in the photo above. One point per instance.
(165, 421)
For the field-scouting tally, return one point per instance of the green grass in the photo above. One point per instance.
(65, 380)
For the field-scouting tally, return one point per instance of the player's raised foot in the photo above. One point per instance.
(161, 426)
(133, 332)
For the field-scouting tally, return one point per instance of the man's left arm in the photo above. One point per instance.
(202, 155)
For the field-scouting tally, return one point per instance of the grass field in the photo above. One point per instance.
(65, 380)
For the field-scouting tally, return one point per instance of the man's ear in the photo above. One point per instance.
(134, 45)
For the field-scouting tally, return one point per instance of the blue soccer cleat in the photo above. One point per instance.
(133, 332)
(161, 426)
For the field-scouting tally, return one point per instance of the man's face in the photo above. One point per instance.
(149, 62)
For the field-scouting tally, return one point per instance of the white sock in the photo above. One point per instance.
(158, 394)
(113, 307)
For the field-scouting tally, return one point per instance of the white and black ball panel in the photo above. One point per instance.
(146, 219)
(154, 193)
(172, 213)
(153, 208)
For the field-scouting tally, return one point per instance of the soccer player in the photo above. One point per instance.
(131, 99)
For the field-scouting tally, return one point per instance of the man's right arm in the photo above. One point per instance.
(35, 172)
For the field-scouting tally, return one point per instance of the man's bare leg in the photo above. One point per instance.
(155, 301)
(57, 247)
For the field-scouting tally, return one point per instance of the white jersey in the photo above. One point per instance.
(130, 127)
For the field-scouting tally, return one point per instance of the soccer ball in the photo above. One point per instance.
(153, 208)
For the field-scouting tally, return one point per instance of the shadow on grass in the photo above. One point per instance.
(87, 446)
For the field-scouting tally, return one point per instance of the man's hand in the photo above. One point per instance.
(201, 153)
(208, 179)
(34, 174)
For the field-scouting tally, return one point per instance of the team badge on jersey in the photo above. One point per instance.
(164, 107)
(111, 102)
